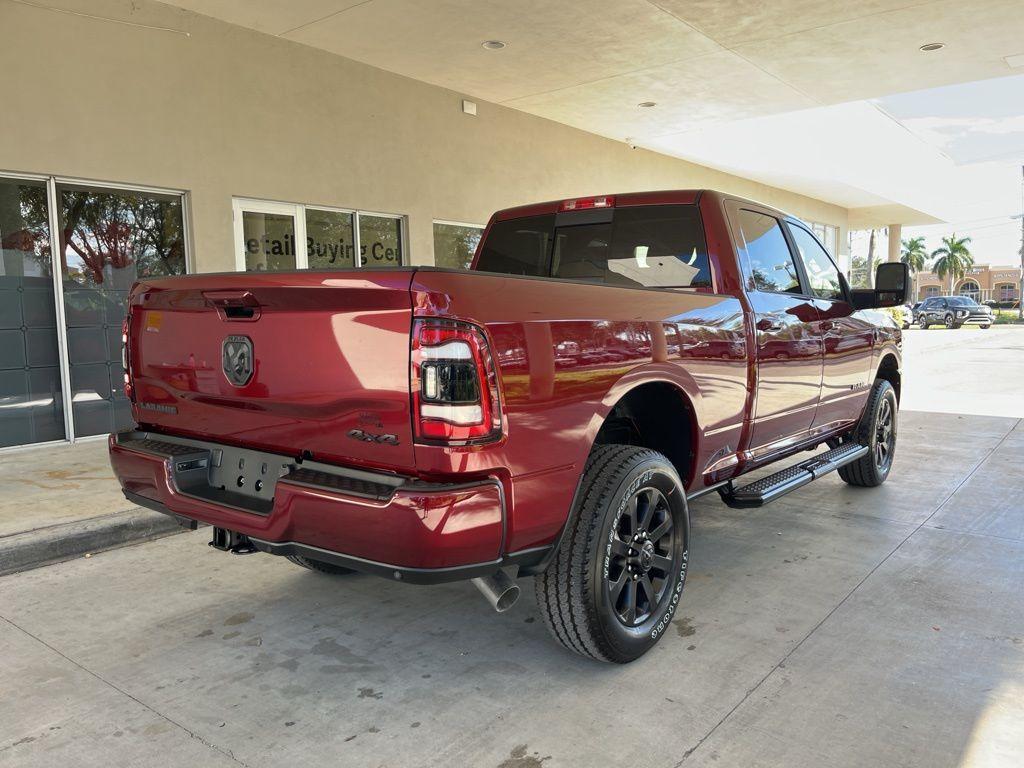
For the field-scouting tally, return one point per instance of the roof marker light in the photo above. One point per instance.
(582, 203)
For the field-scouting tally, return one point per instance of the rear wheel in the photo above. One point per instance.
(877, 430)
(319, 565)
(614, 584)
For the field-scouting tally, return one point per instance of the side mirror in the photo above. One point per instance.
(892, 287)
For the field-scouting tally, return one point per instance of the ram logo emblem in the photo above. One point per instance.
(237, 359)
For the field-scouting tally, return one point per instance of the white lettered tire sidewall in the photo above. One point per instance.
(654, 472)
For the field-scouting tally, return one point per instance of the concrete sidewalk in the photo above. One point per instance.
(841, 627)
(60, 502)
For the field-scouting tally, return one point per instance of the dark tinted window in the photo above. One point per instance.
(821, 272)
(653, 246)
(768, 258)
(518, 246)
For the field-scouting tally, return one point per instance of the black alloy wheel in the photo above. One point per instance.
(641, 566)
(885, 435)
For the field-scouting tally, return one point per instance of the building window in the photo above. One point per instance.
(273, 236)
(330, 238)
(1006, 292)
(970, 288)
(455, 244)
(380, 241)
(928, 291)
(63, 299)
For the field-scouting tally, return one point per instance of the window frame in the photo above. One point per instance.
(298, 211)
(736, 209)
(451, 223)
(53, 221)
(792, 223)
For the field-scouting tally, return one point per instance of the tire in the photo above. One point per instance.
(319, 565)
(986, 327)
(872, 470)
(587, 598)
(948, 320)
(923, 323)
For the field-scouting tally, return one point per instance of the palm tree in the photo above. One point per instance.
(914, 256)
(953, 258)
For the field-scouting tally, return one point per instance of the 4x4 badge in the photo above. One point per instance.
(237, 359)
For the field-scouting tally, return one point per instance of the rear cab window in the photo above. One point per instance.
(643, 246)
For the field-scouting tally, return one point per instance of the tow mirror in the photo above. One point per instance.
(892, 287)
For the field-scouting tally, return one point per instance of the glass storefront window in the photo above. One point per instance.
(109, 239)
(269, 241)
(455, 244)
(266, 234)
(380, 241)
(330, 241)
(31, 396)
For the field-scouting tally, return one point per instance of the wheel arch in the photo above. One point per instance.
(653, 413)
(889, 369)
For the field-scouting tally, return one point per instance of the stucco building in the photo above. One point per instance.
(983, 283)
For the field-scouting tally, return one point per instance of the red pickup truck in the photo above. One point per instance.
(549, 413)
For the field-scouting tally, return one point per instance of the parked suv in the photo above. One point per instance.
(550, 413)
(953, 312)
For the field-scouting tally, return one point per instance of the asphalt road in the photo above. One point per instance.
(837, 627)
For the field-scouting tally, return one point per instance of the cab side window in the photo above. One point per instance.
(770, 263)
(822, 273)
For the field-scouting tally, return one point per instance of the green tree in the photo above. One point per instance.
(953, 258)
(914, 254)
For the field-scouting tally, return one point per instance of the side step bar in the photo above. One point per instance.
(772, 487)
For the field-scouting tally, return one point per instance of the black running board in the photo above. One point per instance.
(772, 487)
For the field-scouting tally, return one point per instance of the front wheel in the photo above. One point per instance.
(923, 323)
(613, 586)
(986, 327)
(950, 321)
(876, 430)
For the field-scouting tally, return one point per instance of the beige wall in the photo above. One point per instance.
(222, 111)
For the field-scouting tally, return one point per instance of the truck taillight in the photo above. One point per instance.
(453, 382)
(124, 356)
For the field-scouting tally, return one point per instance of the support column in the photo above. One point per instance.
(895, 240)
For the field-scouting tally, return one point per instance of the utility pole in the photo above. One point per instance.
(1020, 287)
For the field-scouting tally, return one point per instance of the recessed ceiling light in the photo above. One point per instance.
(493, 45)
(932, 47)
(647, 104)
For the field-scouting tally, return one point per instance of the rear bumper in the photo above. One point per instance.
(399, 528)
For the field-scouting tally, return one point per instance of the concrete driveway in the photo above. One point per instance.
(837, 627)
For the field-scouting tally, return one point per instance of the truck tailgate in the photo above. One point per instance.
(327, 372)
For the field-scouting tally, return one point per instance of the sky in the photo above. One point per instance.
(979, 127)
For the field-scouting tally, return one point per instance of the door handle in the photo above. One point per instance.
(234, 305)
(768, 324)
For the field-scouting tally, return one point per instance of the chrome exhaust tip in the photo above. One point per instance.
(499, 589)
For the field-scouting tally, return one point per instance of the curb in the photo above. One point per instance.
(64, 541)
